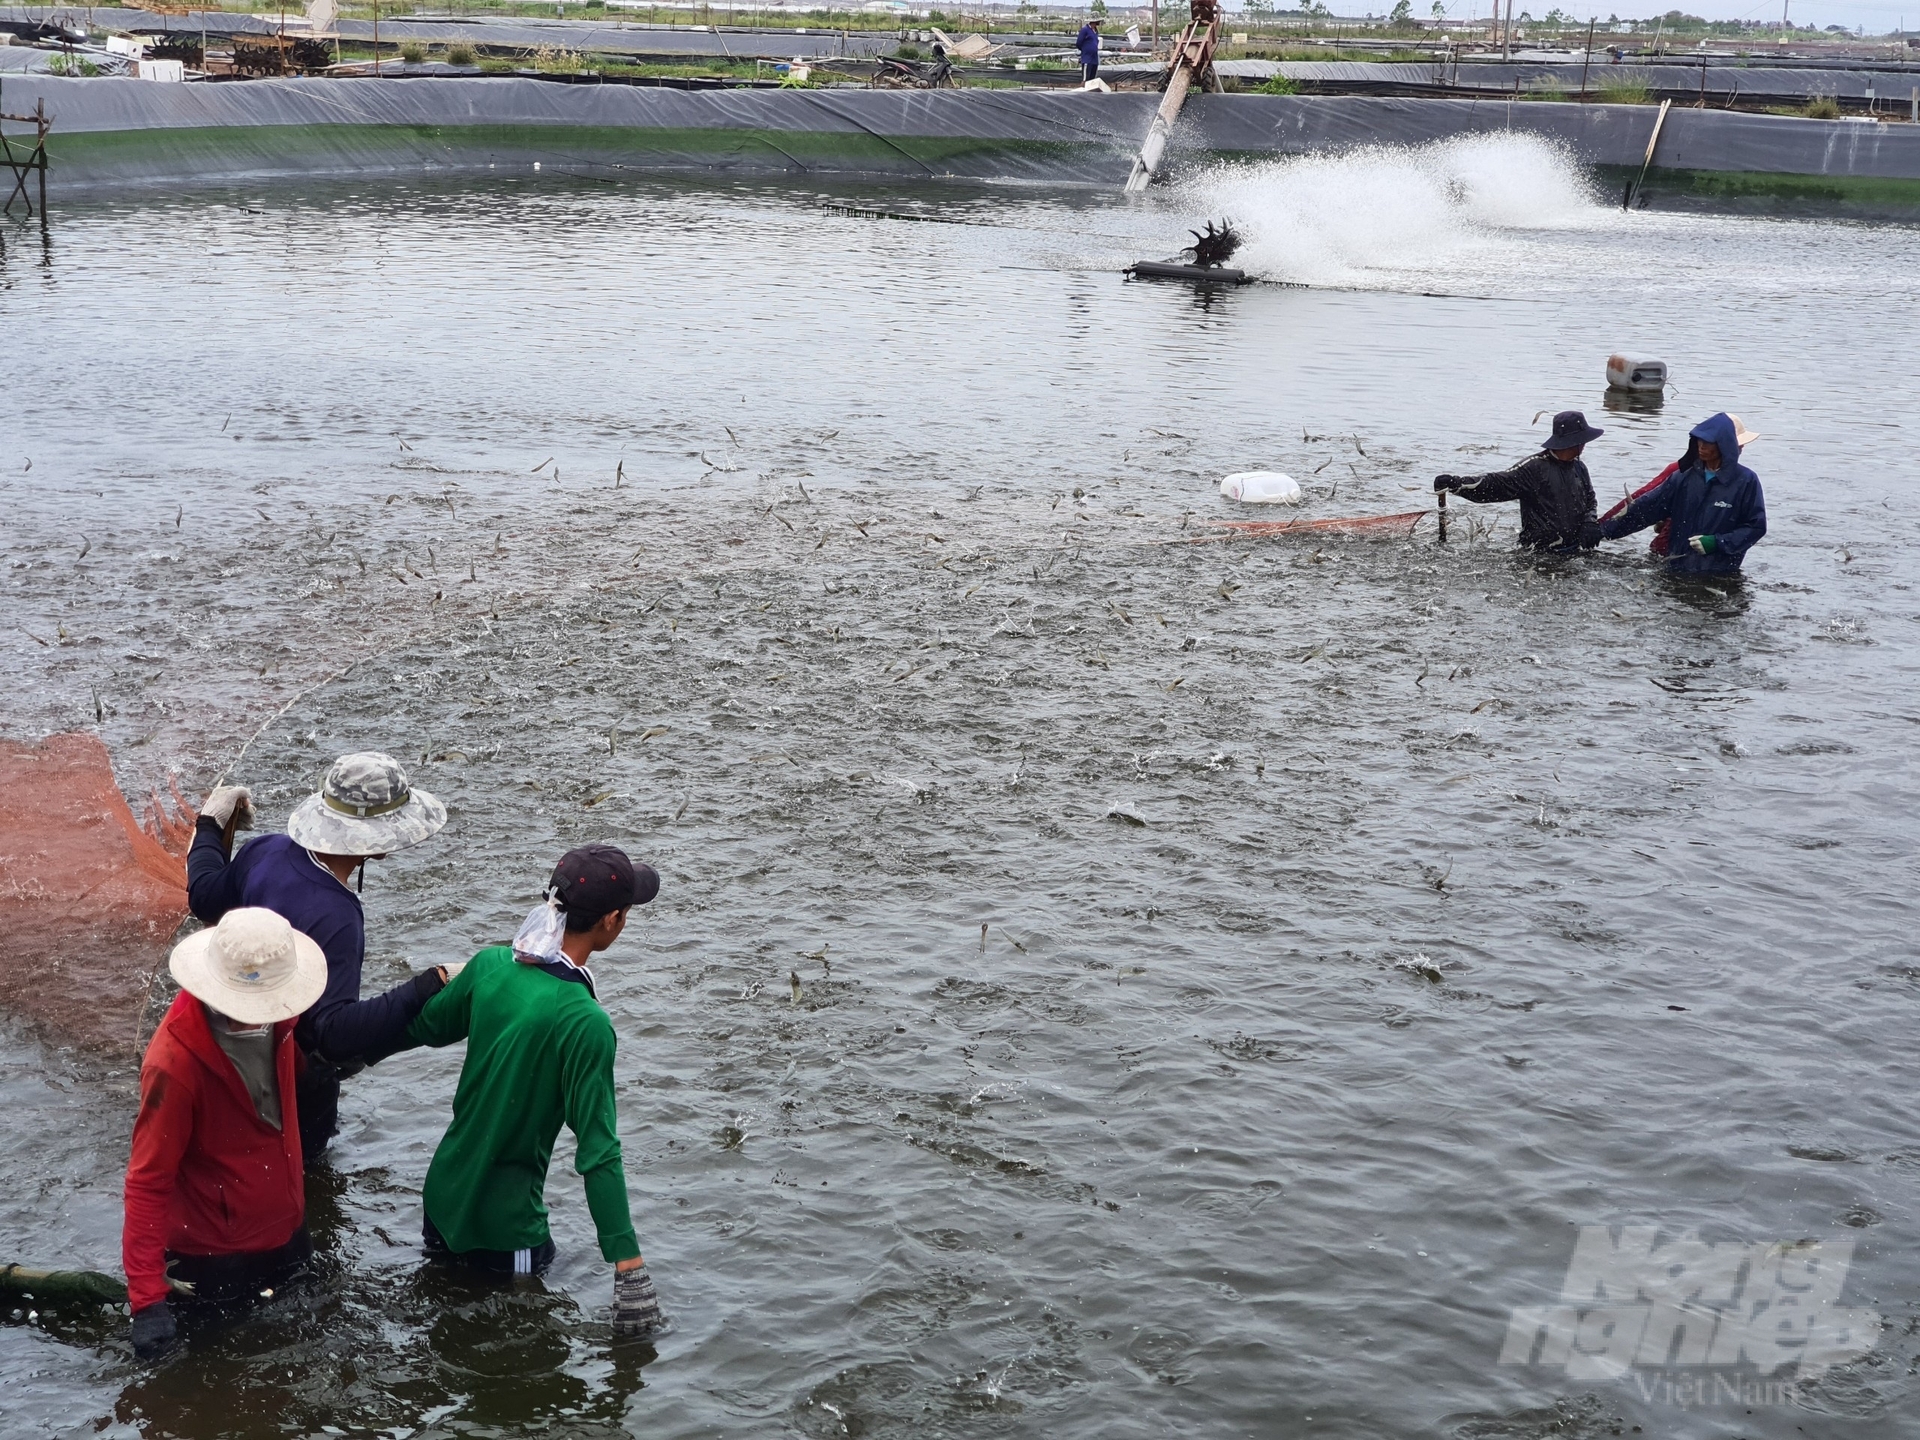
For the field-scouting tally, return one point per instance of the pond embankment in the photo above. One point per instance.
(110, 134)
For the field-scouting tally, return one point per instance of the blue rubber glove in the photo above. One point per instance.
(155, 1336)
(1703, 544)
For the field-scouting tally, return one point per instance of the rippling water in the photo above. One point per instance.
(1228, 973)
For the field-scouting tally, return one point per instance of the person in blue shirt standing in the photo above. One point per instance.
(365, 810)
(1714, 502)
(1089, 46)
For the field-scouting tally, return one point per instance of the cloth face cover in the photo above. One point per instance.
(538, 944)
(251, 1050)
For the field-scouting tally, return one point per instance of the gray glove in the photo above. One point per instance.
(223, 802)
(155, 1336)
(636, 1309)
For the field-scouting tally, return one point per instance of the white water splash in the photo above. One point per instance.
(1392, 215)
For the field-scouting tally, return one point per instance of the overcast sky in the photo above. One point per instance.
(1879, 16)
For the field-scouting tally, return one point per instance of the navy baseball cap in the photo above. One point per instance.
(599, 879)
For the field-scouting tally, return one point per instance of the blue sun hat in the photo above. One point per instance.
(365, 807)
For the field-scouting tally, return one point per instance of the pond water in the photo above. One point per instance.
(1229, 972)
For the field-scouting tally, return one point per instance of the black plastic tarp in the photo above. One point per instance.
(1721, 84)
(318, 125)
(1714, 140)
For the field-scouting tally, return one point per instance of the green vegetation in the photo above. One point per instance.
(460, 55)
(73, 65)
(1253, 50)
(1624, 92)
(1823, 107)
(1850, 193)
(692, 69)
(414, 52)
(554, 60)
(907, 52)
(1277, 85)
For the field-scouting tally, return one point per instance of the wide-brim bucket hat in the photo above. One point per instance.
(1571, 431)
(365, 807)
(252, 967)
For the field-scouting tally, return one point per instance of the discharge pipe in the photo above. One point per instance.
(1192, 60)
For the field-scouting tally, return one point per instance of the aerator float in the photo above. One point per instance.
(1206, 260)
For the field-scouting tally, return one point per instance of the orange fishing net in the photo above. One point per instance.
(89, 897)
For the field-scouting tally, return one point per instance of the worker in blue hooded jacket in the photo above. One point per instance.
(1087, 42)
(1714, 502)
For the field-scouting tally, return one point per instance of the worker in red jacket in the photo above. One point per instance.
(215, 1201)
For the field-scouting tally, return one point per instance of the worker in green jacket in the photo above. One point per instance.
(539, 1055)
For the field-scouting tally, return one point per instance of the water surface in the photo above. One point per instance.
(842, 569)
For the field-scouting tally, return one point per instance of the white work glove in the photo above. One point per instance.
(636, 1309)
(223, 802)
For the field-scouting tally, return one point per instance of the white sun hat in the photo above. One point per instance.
(252, 967)
(365, 807)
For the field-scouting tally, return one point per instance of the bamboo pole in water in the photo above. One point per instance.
(1147, 162)
(1645, 165)
(1192, 59)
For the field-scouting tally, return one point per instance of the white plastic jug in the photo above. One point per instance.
(1625, 372)
(1261, 487)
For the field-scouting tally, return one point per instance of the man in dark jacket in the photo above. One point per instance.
(1713, 501)
(1555, 494)
(364, 811)
(1088, 43)
(215, 1200)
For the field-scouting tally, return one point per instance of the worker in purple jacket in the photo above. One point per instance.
(364, 811)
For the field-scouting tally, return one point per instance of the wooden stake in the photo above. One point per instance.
(1652, 140)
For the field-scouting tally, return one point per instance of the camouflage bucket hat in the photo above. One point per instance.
(365, 807)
